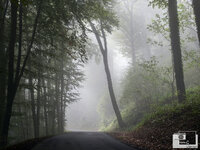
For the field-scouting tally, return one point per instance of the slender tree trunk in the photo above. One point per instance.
(32, 105)
(111, 91)
(26, 118)
(10, 91)
(196, 6)
(13, 83)
(45, 108)
(58, 103)
(28, 124)
(19, 44)
(51, 108)
(53, 115)
(62, 96)
(31, 89)
(3, 63)
(109, 79)
(64, 107)
(176, 49)
(21, 127)
(38, 106)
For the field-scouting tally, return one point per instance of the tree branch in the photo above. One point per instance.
(20, 43)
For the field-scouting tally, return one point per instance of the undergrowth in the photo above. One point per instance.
(158, 116)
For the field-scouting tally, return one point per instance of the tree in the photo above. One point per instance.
(132, 34)
(196, 6)
(41, 30)
(14, 79)
(129, 28)
(3, 60)
(176, 49)
(160, 28)
(104, 52)
(10, 90)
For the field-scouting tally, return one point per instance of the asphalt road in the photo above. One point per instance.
(82, 141)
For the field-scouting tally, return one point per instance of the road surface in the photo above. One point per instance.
(82, 141)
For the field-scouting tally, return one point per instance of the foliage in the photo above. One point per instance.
(161, 113)
(145, 84)
(192, 59)
(163, 123)
(147, 87)
(132, 34)
(159, 26)
(50, 44)
(105, 111)
(158, 3)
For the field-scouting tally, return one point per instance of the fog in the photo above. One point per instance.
(130, 68)
(83, 115)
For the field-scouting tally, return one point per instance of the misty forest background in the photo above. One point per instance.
(53, 55)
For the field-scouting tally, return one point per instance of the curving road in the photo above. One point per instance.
(82, 141)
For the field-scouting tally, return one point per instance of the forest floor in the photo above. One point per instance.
(155, 132)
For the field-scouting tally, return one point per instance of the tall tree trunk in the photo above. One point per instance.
(13, 83)
(10, 91)
(57, 86)
(20, 110)
(104, 51)
(3, 63)
(19, 43)
(196, 6)
(62, 97)
(176, 49)
(51, 108)
(53, 116)
(38, 105)
(31, 89)
(45, 108)
(111, 91)
(26, 118)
